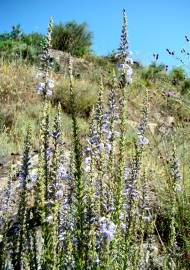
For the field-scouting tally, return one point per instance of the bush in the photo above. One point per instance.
(16, 32)
(154, 72)
(177, 75)
(18, 45)
(34, 39)
(2, 121)
(185, 89)
(85, 95)
(72, 37)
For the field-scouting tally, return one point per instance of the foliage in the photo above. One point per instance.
(185, 88)
(19, 45)
(85, 96)
(72, 37)
(16, 32)
(177, 75)
(154, 72)
(33, 39)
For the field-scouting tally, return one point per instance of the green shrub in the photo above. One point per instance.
(2, 121)
(105, 62)
(153, 73)
(16, 32)
(185, 89)
(177, 75)
(7, 146)
(85, 95)
(33, 39)
(18, 45)
(72, 37)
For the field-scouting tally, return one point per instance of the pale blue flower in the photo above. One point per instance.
(101, 146)
(50, 84)
(142, 140)
(42, 56)
(62, 172)
(40, 87)
(33, 176)
(49, 219)
(108, 147)
(95, 139)
(147, 218)
(178, 187)
(87, 162)
(59, 194)
(49, 152)
(40, 75)
(170, 93)
(107, 228)
(49, 92)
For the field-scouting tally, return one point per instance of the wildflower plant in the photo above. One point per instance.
(46, 84)
(90, 206)
(122, 67)
(176, 186)
(6, 208)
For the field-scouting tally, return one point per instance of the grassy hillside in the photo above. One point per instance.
(20, 104)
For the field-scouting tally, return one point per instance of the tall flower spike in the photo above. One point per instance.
(70, 67)
(6, 203)
(124, 65)
(122, 51)
(121, 155)
(78, 176)
(22, 211)
(175, 188)
(42, 183)
(142, 140)
(55, 194)
(46, 85)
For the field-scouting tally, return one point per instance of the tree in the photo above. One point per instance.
(16, 32)
(72, 37)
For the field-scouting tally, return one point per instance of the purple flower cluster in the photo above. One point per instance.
(63, 173)
(45, 87)
(107, 228)
(169, 93)
(142, 140)
(127, 70)
(175, 169)
(125, 62)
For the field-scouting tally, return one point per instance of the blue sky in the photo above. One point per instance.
(153, 25)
